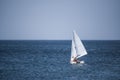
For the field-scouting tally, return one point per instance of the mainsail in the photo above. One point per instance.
(77, 49)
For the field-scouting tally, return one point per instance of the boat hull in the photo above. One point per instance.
(80, 62)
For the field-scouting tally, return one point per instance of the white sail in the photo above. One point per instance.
(80, 49)
(77, 48)
(73, 51)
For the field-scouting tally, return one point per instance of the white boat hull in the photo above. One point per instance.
(80, 62)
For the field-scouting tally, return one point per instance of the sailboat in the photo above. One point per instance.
(77, 49)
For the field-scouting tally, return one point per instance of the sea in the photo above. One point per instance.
(50, 60)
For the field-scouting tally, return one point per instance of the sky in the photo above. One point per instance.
(56, 19)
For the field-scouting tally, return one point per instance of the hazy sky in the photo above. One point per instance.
(56, 19)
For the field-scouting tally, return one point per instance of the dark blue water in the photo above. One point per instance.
(49, 60)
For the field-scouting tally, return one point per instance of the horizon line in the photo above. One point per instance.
(62, 39)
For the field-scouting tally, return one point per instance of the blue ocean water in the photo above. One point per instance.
(49, 60)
